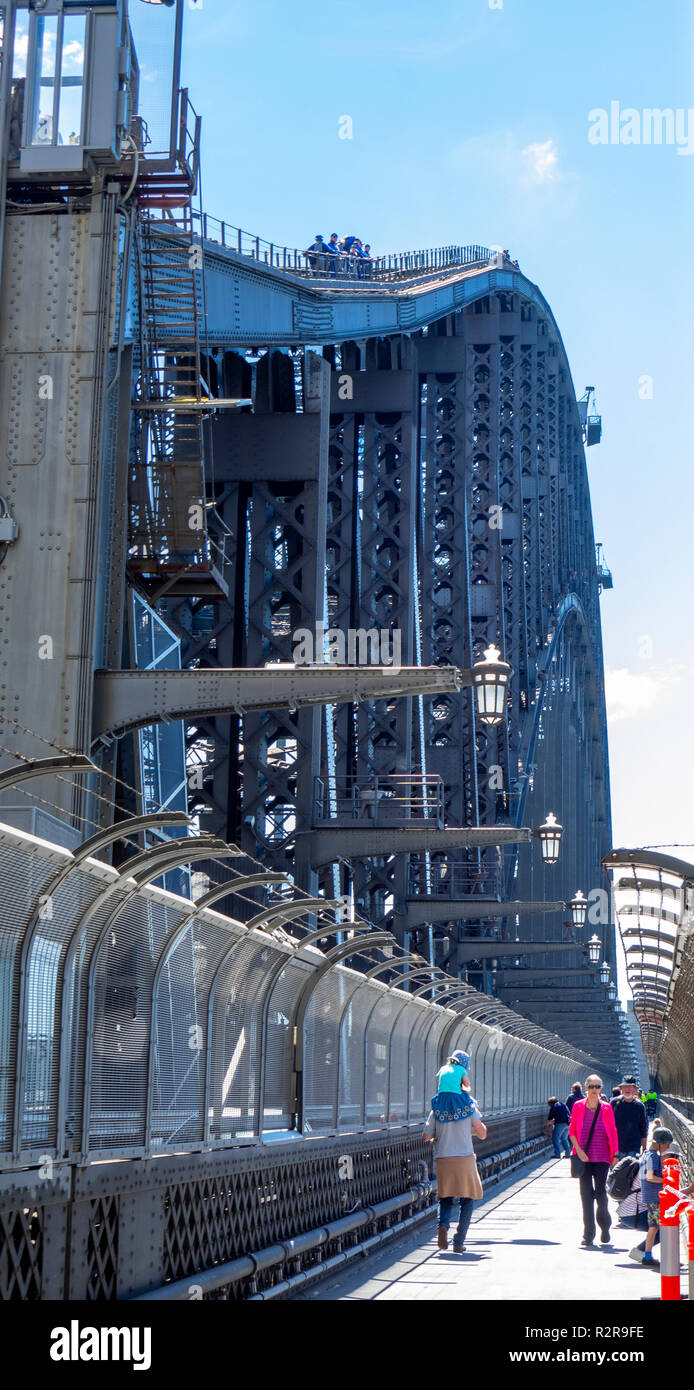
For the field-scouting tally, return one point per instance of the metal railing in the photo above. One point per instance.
(398, 799)
(453, 879)
(189, 125)
(335, 269)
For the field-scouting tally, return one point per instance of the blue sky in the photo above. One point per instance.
(470, 124)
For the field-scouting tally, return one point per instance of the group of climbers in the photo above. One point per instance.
(346, 256)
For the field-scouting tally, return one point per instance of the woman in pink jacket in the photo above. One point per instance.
(594, 1135)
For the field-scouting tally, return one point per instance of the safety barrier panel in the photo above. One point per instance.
(135, 1023)
(669, 1232)
(228, 1224)
(677, 1218)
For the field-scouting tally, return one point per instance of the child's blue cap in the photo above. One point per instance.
(461, 1059)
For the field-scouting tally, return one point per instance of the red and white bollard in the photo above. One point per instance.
(670, 1231)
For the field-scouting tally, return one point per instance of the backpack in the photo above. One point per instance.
(620, 1179)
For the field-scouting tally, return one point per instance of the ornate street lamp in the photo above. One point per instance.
(605, 973)
(594, 949)
(612, 992)
(579, 907)
(550, 833)
(490, 682)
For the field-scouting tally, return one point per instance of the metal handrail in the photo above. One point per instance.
(411, 796)
(453, 879)
(394, 266)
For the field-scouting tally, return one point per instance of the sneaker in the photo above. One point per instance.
(458, 1249)
(587, 1244)
(650, 1264)
(443, 1238)
(605, 1238)
(636, 1255)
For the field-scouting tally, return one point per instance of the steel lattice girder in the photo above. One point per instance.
(481, 426)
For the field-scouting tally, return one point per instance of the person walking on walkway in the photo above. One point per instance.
(632, 1211)
(630, 1118)
(651, 1104)
(594, 1135)
(561, 1115)
(453, 1119)
(651, 1172)
(641, 1223)
(576, 1093)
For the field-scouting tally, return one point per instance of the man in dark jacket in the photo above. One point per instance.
(576, 1094)
(630, 1118)
(559, 1112)
(317, 258)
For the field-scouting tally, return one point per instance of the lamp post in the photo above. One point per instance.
(550, 833)
(490, 683)
(594, 949)
(579, 906)
(604, 973)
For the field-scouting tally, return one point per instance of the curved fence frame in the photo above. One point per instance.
(151, 1024)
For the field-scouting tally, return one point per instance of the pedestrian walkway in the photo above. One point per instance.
(524, 1243)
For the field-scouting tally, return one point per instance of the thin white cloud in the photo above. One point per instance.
(631, 693)
(515, 165)
(628, 694)
(541, 161)
(424, 50)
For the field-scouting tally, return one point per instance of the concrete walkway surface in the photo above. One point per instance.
(524, 1243)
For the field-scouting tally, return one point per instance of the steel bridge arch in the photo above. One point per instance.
(470, 361)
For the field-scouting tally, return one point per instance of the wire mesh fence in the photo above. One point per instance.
(134, 1024)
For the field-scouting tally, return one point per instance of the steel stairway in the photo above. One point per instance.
(170, 548)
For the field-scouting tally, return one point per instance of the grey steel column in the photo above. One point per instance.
(55, 313)
(5, 88)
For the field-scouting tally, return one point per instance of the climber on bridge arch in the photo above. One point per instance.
(316, 253)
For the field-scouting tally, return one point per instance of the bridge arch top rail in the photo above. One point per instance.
(341, 267)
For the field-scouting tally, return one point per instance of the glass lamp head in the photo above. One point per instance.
(490, 683)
